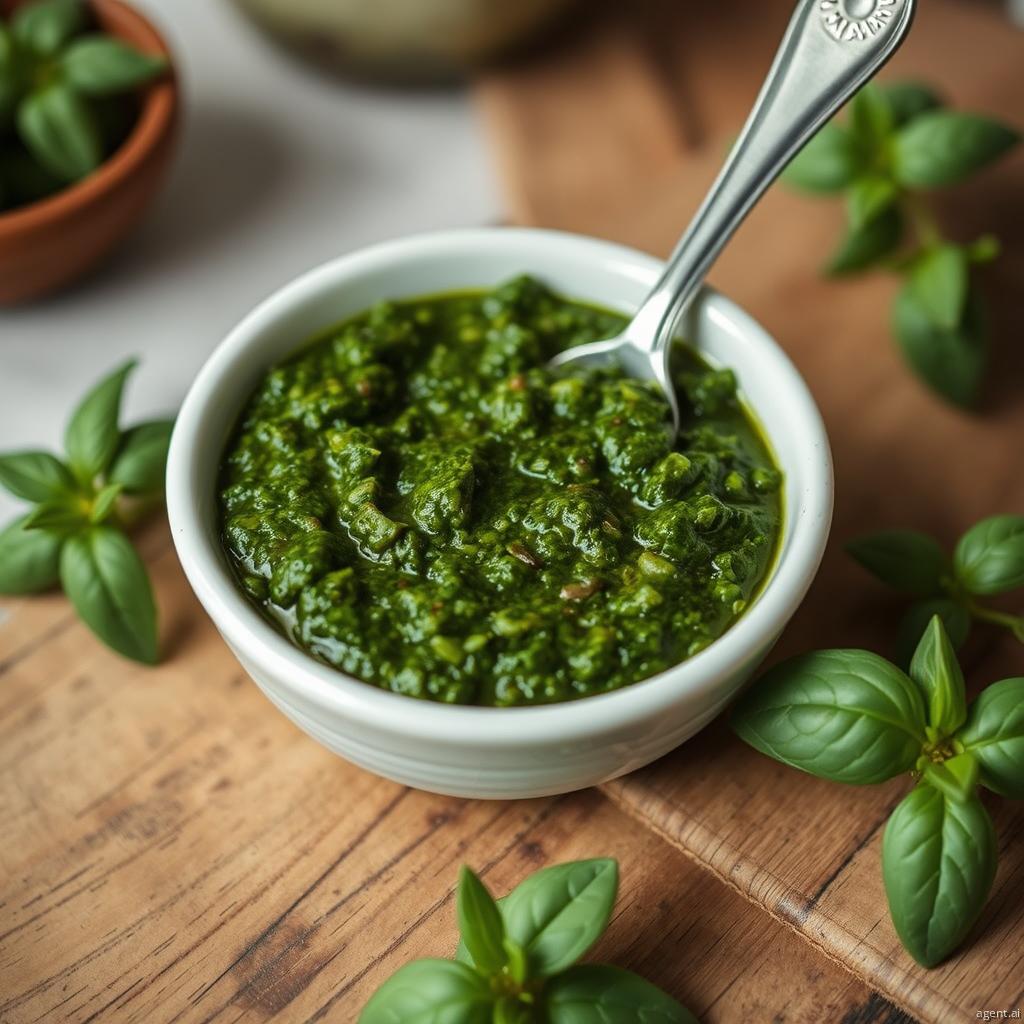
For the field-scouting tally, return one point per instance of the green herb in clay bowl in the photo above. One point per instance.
(67, 97)
(87, 117)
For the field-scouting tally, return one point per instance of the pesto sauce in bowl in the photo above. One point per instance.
(419, 501)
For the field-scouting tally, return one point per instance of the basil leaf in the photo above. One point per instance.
(944, 147)
(141, 461)
(935, 669)
(867, 244)
(994, 734)
(844, 715)
(956, 779)
(60, 131)
(599, 994)
(92, 436)
(431, 992)
(480, 924)
(45, 25)
(828, 163)
(984, 250)
(99, 65)
(35, 476)
(907, 560)
(558, 913)
(908, 100)
(989, 558)
(955, 618)
(109, 587)
(952, 362)
(939, 281)
(60, 516)
(103, 503)
(10, 85)
(29, 559)
(868, 199)
(938, 864)
(871, 118)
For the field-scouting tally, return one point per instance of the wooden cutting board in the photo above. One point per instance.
(173, 850)
(620, 139)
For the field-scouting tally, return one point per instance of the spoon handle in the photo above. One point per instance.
(831, 48)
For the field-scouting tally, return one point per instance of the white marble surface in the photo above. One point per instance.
(279, 168)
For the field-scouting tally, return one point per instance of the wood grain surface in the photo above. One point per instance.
(174, 850)
(807, 851)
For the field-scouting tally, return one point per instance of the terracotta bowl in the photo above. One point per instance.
(48, 244)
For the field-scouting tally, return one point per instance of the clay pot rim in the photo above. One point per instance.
(155, 121)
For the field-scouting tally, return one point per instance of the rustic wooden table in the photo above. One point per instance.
(173, 850)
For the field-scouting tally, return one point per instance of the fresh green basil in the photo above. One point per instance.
(938, 864)
(897, 140)
(871, 118)
(845, 715)
(907, 560)
(598, 994)
(92, 436)
(99, 65)
(943, 147)
(956, 620)
(830, 162)
(63, 516)
(994, 734)
(558, 913)
(10, 77)
(939, 281)
(44, 26)
(29, 559)
(955, 779)
(103, 503)
(60, 131)
(109, 587)
(908, 100)
(984, 249)
(35, 476)
(952, 361)
(513, 1011)
(865, 245)
(480, 924)
(869, 198)
(989, 558)
(936, 670)
(431, 992)
(141, 460)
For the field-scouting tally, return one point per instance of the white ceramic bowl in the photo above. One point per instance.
(494, 752)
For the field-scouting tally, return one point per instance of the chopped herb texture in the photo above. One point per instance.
(418, 500)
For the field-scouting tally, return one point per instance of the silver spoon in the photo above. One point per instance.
(831, 48)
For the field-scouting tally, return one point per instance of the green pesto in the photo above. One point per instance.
(420, 502)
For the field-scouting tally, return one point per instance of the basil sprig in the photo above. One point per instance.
(898, 141)
(851, 716)
(56, 80)
(988, 560)
(76, 534)
(517, 960)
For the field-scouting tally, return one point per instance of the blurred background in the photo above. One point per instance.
(312, 127)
